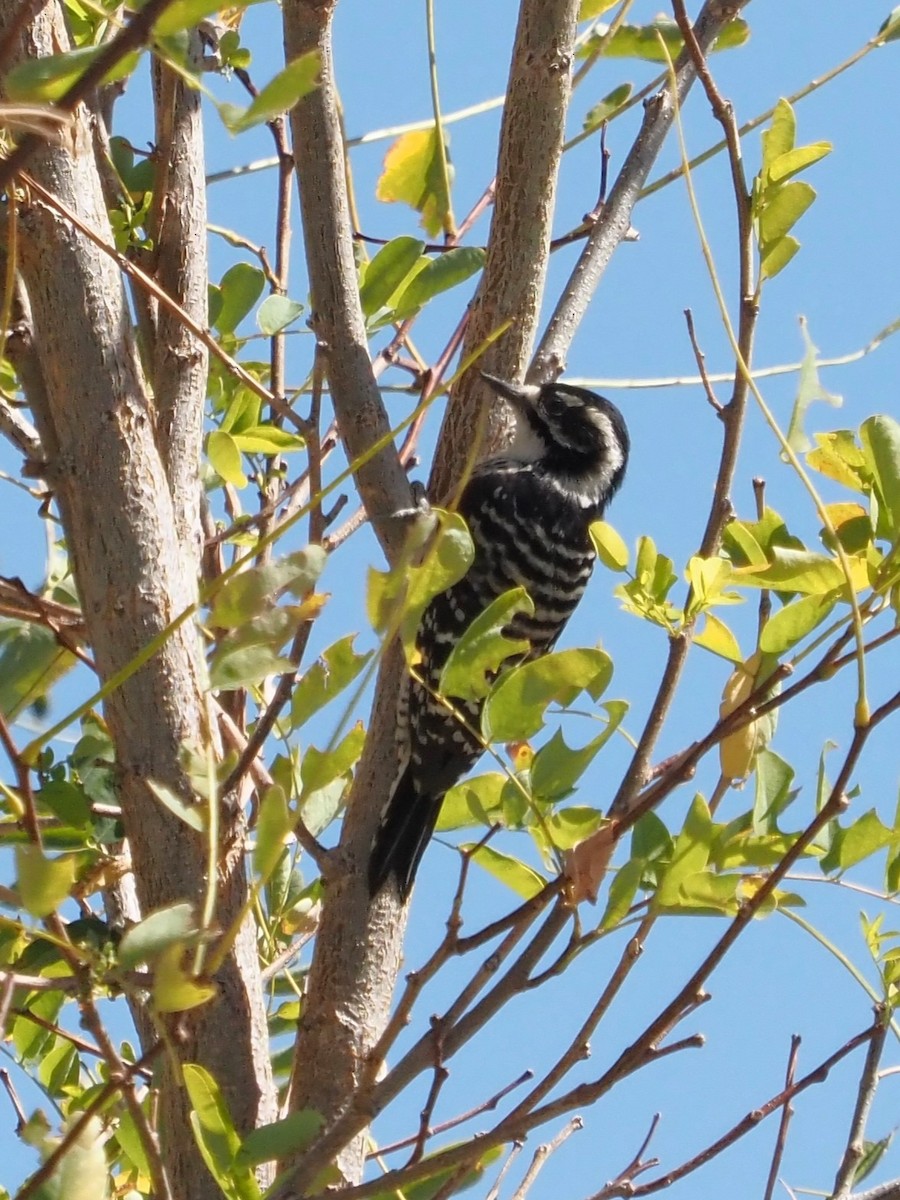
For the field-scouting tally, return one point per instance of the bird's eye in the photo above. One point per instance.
(554, 407)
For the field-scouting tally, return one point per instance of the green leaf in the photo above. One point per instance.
(622, 891)
(225, 458)
(481, 651)
(193, 815)
(809, 390)
(66, 801)
(570, 826)
(796, 571)
(435, 1186)
(773, 793)
(777, 257)
(589, 9)
(406, 591)
(791, 162)
(477, 801)
(515, 708)
(690, 855)
(268, 439)
(610, 547)
(557, 767)
(387, 271)
(252, 591)
(175, 925)
(792, 623)
(779, 138)
(607, 107)
(880, 436)
(643, 41)
(241, 286)
(319, 767)
(335, 670)
(709, 578)
(651, 842)
(276, 313)
(511, 872)
(892, 868)
(872, 1154)
(216, 1135)
(857, 842)
(184, 14)
(705, 893)
(246, 666)
(31, 662)
(44, 883)
(272, 828)
(442, 273)
(280, 94)
(412, 175)
(785, 205)
(280, 1139)
(318, 808)
(46, 80)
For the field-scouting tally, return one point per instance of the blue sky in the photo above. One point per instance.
(779, 980)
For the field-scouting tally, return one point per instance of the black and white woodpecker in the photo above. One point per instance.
(528, 510)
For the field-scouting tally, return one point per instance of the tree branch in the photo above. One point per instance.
(337, 317)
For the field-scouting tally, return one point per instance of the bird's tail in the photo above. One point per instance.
(406, 827)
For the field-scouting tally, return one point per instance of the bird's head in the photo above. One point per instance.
(574, 434)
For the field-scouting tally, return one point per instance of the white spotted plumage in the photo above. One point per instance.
(529, 510)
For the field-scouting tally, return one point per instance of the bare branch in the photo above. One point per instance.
(615, 220)
(787, 1113)
(868, 1082)
(519, 244)
(337, 316)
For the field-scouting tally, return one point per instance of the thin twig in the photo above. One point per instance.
(701, 362)
(865, 1094)
(637, 1166)
(152, 287)
(542, 1154)
(787, 1113)
(439, 1077)
(486, 1106)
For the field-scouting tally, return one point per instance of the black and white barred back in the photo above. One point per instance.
(528, 511)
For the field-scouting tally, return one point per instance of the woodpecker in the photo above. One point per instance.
(528, 510)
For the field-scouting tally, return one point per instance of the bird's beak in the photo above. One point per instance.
(521, 395)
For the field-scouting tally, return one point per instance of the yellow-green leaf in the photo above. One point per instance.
(778, 256)
(387, 271)
(607, 107)
(792, 623)
(280, 94)
(412, 175)
(45, 80)
(272, 828)
(717, 637)
(44, 883)
(216, 1135)
(516, 705)
(174, 925)
(481, 651)
(516, 875)
(225, 458)
(174, 990)
(609, 545)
